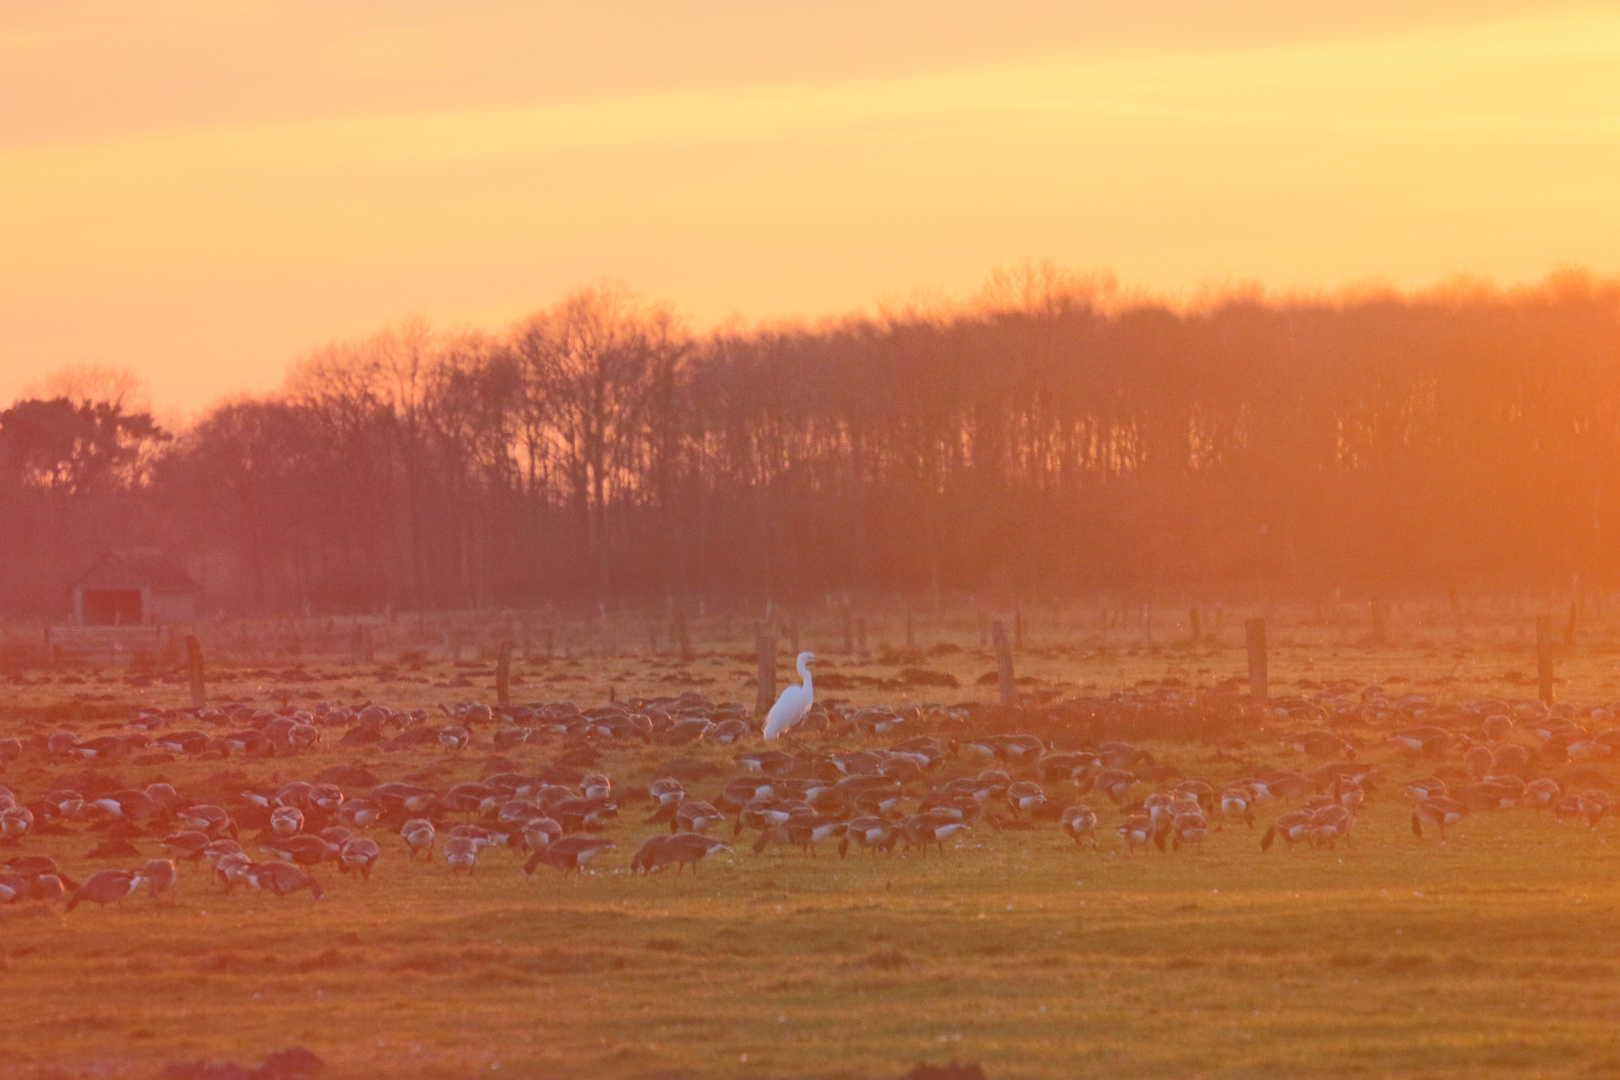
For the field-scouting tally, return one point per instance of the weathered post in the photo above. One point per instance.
(194, 670)
(1018, 629)
(683, 640)
(765, 696)
(793, 639)
(1544, 657)
(1004, 663)
(1255, 631)
(503, 675)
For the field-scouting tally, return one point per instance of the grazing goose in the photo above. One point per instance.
(287, 821)
(1541, 794)
(359, 814)
(1080, 822)
(1291, 827)
(1025, 795)
(1438, 811)
(461, 853)
(1478, 761)
(303, 850)
(920, 830)
(160, 876)
(105, 887)
(570, 854)
(870, 832)
(15, 822)
(186, 845)
(232, 870)
(418, 836)
(1237, 804)
(208, 818)
(696, 816)
(282, 878)
(357, 855)
(1137, 831)
(680, 849)
(1594, 804)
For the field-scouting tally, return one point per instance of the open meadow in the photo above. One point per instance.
(1492, 953)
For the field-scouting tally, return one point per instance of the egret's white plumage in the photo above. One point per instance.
(795, 701)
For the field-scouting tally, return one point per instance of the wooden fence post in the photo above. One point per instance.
(765, 696)
(793, 639)
(194, 670)
(1255, 631)
(503, 675)
(1544, 658)
(1196, 618)
(683, 640)
(1004, 663)
(1018, 629)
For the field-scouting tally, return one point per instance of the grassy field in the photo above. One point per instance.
(1493, 954)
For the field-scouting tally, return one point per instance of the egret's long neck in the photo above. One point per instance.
(804, 670)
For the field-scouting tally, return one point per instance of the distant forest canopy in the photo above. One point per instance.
(1054, 436)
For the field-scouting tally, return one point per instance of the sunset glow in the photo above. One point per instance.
(204, 195)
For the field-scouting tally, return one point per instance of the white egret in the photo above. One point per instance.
(794, 703)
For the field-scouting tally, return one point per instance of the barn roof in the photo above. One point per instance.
(137, 568)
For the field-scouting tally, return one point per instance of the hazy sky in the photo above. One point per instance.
(202, 190)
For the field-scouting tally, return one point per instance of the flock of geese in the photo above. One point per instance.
(891, 795)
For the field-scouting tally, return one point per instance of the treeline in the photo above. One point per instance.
(1050, 437)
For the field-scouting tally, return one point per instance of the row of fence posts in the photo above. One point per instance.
(765, 645)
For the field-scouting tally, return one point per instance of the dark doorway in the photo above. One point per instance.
(112, 607)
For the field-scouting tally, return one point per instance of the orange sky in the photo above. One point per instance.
(202, 190)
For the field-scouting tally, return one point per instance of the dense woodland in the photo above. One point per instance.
(1050, 437)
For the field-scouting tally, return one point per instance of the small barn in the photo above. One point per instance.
(134, 587)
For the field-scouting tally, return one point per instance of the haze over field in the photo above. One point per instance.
(201, 192)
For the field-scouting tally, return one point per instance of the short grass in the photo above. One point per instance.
(1491, 955)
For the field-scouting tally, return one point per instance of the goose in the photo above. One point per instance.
(105, 887)
(14, 887)
(287, 821)
(1319, 743)
(160, 876)
(15, 822)
(920, 830)
(803, 830)
(49, 888)
(1292, 827)
(695, 816)
(215, 850)
(359, 814)
(1594, 804)
(1424, 787)
(461, 853)
(358, 854)
(232, 868)
(1510, 758)
(596, 786)
(282, 878)
(1438, 811)
(570, 854)
(681, 849)
(454, 737)
(1478, 761)
(1188, 827)
(418, 836)
(208, 818)
(540, 831)
(794, 702)
(304, 850)
(1540, 794)
(324, 797)
(1080, 822)
(870, 832)
(1330, 824)
(1025, 795)
(1497, 727)
(1237, 804)
(1137, 831)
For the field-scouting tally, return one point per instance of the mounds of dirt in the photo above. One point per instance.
(114, 849)
(579, 757)
(882, 960)
(686, 769)
(281, 1065)
(912, 676)
(90, 784)
(347, 776)
(953, 1071)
